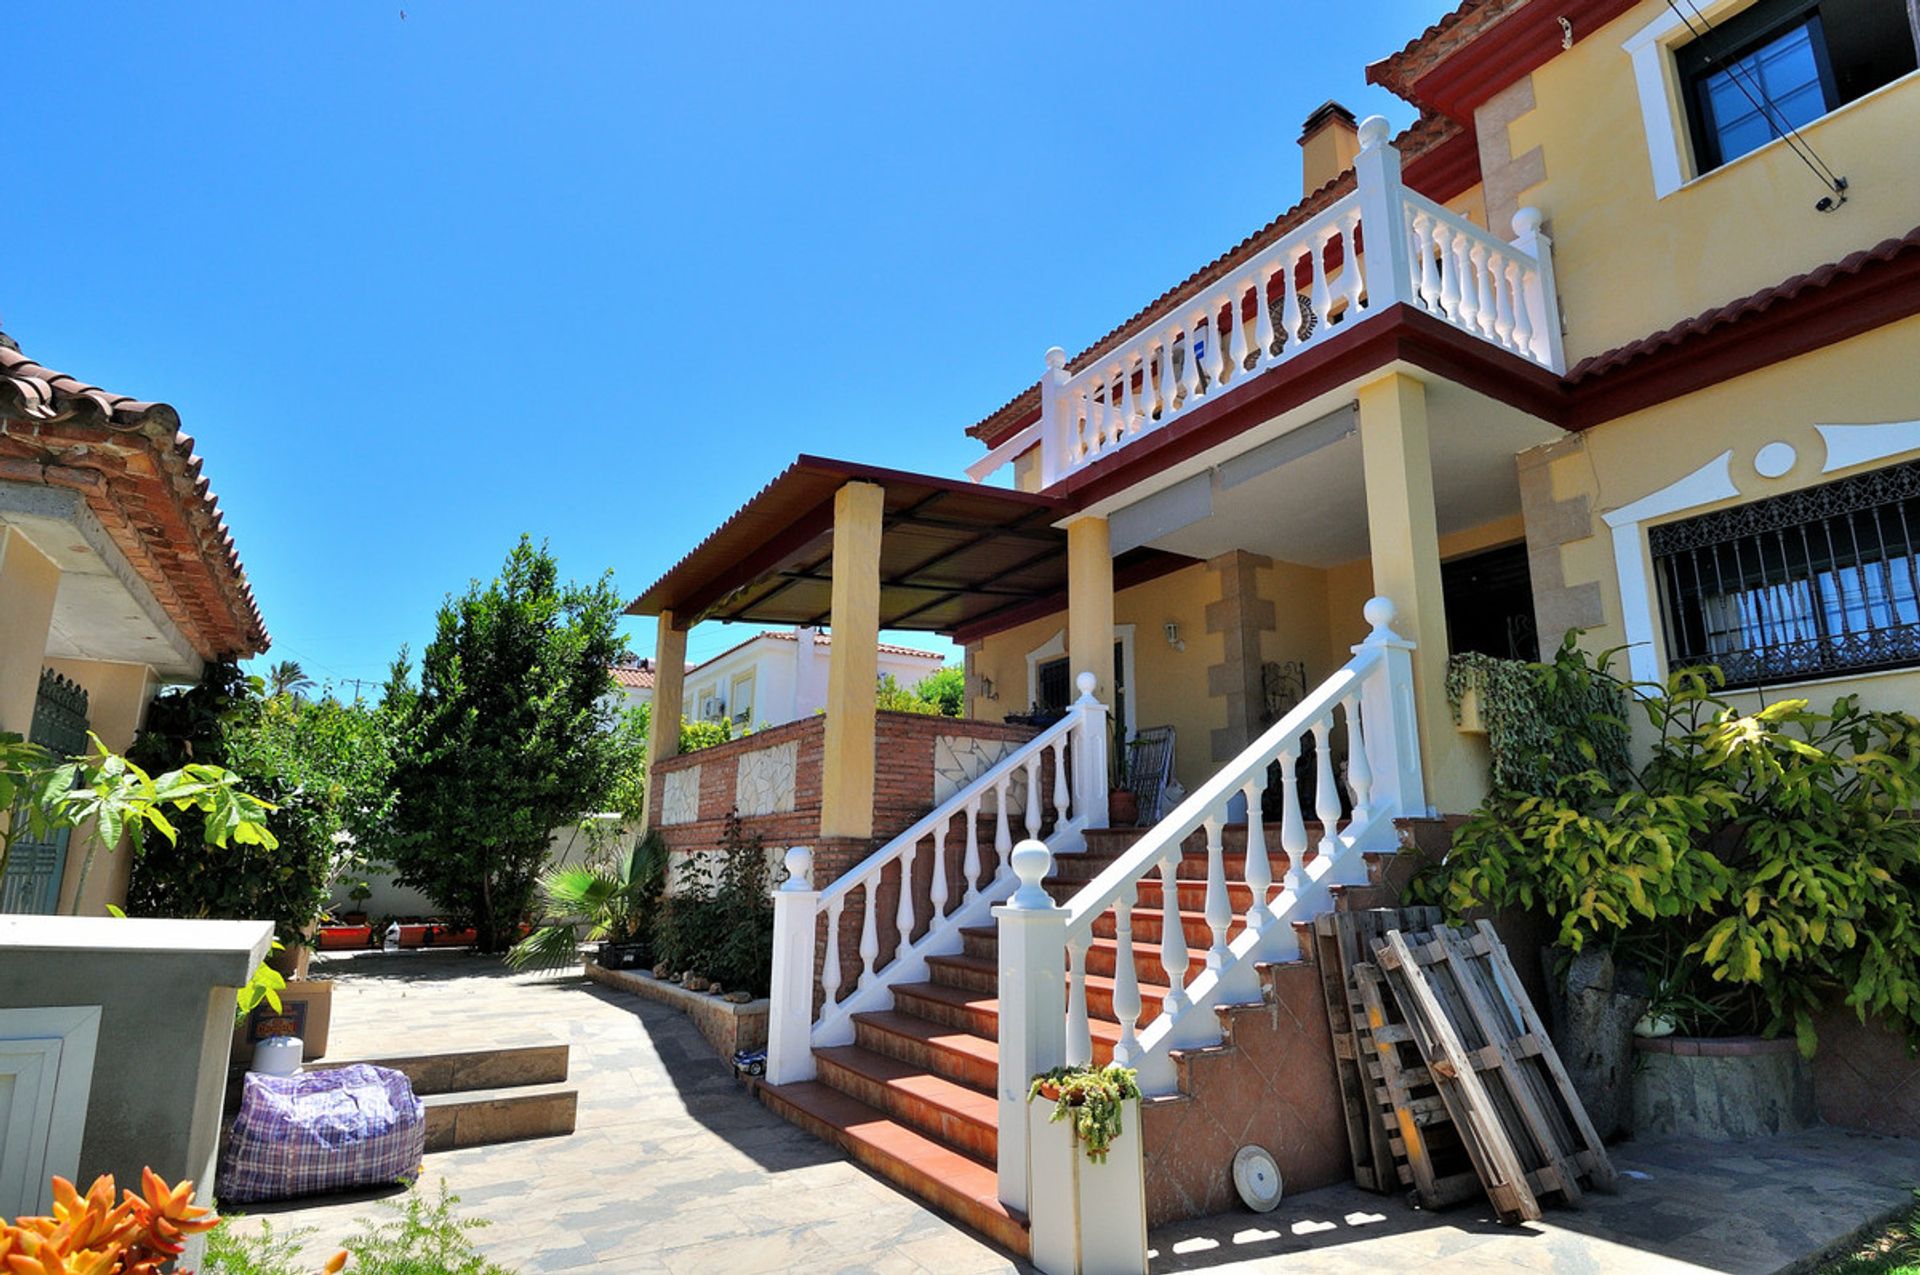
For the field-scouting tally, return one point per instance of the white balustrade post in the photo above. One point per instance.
(1392, 734)
(1090, 740)
(1542, 299)
(1056, 420)
(790, 1015)
(1033, 1007)
(1383, 212)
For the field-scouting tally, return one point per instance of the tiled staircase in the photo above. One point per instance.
(913, 1097)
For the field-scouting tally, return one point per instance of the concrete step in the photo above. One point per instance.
(480, 1117)
(956, 1184)
(958, 1115)
(458, 1070)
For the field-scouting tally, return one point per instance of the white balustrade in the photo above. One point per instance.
(1072, 753)
(1422, 254)
(1366, 701)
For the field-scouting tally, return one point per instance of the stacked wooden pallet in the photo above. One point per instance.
(1450, 1082)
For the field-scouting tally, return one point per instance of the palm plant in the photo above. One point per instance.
(615, 902)
(288, 678)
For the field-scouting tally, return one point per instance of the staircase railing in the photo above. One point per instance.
(813, 1004)
(1043, 1006)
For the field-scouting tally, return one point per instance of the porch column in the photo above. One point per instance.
(1090, 605)
(853, 663)
(28, 582)
(1405, 541)
(669, 699)
(117, 699)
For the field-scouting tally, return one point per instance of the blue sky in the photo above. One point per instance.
(597, 271)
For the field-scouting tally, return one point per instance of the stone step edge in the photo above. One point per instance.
(465, 1070)
(483, 1117)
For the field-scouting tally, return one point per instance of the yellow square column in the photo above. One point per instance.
(1404, 535)
(1090, 605)
(853, 663)
(669, 697)
(29, 580)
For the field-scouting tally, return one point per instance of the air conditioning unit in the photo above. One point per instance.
(713, 708)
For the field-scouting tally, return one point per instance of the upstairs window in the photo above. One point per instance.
(1785, 63)
(1809, 584)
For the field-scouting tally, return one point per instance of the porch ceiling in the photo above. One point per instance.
(953, 555)
(1312, 509)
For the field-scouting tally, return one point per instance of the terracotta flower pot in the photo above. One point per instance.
(1123, 808)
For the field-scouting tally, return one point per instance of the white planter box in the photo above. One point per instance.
(1087, 1218)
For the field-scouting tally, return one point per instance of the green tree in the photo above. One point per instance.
(325, 766)
(288, 678)
(508, 736)
(947, 690)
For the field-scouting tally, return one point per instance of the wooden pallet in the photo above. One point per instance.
(1398, 1127)
(1489, 1054)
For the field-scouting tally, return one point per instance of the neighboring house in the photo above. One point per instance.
(781, 676)
(1586, 347)
(633, 683)
(117, 575)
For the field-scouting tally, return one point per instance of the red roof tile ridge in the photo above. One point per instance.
(1753, 303)
(1415, 140)
(1397, 71)
(37, 395)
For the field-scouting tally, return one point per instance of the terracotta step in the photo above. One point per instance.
(982, 949)
(1233, 836)
(963, 1188)
(957, 1115)
(974, 973)
(960, 1056)
(1149, 891)
(1149, 923)
(978, 1013)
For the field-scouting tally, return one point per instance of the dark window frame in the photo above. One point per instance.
(1727, 44)
(1786, 588)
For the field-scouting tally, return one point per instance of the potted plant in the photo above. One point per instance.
(1123, 803)
(616, 902)
(358, 895)
(1088, 1180)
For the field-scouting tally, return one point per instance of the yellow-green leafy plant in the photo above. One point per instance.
(1761, 864)
(1092, 1098)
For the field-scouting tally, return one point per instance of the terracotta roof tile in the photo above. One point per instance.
(639, 676)
(1397, 72)
(1427, 132)
(1751, 304)
(141, 478)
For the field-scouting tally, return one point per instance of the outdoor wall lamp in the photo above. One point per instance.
(1173, 636)
(986, 689)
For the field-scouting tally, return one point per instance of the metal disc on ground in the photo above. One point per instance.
(1257, 1178)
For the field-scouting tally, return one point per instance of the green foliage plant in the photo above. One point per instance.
(508, 735)
(419, 1236)
(1544, 720)
(719, 921)
(236, 1250)
(891, 697)
(946, 690)
(1092, 1098)
(1762, 865)
(105, 798)
(615, 900)
(324, 765)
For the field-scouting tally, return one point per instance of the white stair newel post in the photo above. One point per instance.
(790, 1015)
(1376, 171)
(1541, 299)
(1033, 943)
(1056, 420)
(1392, 734)
(1090, 755)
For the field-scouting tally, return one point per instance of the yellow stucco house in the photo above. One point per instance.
(117, 576)
(1622, 335)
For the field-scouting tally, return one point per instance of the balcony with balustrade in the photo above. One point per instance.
(1343, 266)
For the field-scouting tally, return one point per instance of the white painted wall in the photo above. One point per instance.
(789, 672)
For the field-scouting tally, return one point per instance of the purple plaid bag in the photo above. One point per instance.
(322, 1131)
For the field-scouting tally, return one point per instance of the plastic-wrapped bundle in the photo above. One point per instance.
(322, 1131)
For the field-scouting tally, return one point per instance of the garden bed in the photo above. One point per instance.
(728, 1026)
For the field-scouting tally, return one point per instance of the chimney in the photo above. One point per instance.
(1328, 142)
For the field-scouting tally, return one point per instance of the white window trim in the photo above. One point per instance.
(1847, 447)
(748, 680)
(1056, 646)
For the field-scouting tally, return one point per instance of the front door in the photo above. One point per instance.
(34, 870)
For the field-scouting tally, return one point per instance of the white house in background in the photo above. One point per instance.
(633, 683)
(781, 676)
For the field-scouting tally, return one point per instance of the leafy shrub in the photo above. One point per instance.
(324, 765)
(1544, 720)
(616, 902)
(1761, 865)
(420, 1237)
(233, 1251)
(891, 697)
(720, 922)
(946, 690)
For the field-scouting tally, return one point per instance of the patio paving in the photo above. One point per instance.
(676, 1168)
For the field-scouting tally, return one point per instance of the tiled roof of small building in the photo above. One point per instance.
(637, 677)
(140, 476)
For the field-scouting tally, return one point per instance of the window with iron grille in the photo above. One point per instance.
(1815, 582)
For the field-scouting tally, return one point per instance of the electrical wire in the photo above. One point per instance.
(1799, 145)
